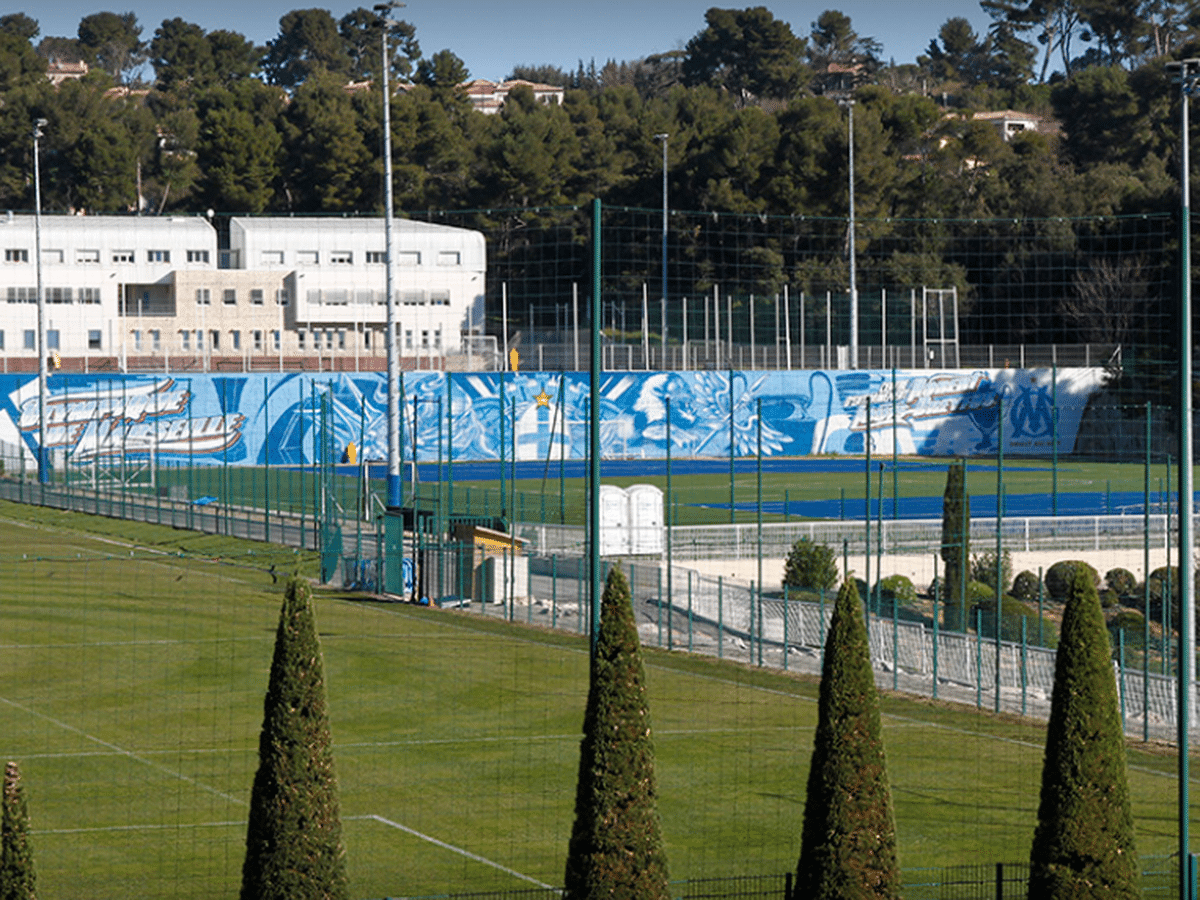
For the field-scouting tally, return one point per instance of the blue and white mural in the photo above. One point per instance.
(256, 419)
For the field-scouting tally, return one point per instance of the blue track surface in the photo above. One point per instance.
(1075, 503)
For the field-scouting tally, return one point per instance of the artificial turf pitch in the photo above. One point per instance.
(133, 662)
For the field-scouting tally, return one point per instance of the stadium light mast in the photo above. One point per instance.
(664, 138)
(1187, 72)
(393, 361)
(848, 102)
(43, 458)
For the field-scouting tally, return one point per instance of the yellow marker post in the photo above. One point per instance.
(513, 359)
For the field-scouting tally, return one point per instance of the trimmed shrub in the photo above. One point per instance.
(1109, 598)
(1026, 586)
(1083, 845)
(1133, 624)
(810, 565)
(1160, 579)
(616, 847)
(294, 839)
(983, 567)
(1121, 582)
(897, 589)
(848, 845)
(1012, 612)
(978, 592)
(1060, 575)
(18, 881)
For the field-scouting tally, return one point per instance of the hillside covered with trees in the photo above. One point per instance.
(180, 119)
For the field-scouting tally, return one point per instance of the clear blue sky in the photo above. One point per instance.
(491, 36)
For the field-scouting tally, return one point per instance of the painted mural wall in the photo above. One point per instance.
(256, 419)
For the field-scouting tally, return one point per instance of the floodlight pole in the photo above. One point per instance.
(43, 457)
(394, 488)
(663, 138)
(848, 102)
(1188, 73)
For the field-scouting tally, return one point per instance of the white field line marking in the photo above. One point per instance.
(416, 742)
(99, 829)
(459, 850)
(157, 642)
(121, 751)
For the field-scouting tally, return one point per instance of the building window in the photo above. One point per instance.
(155, 339)
(87, 257)
(52, 257)
(58, 295)
(258, 339)
(449, 258)
(229, 297)
(408, 257)
(275, 338)
(185, 339)
(158, 256)
(137, 340)
(408, 339)
(308, 257)
(367, 338)
(235, 339)
(341, 339)
(122, 256)
(272, 258)
(256, 296)
(424, 338)
(16, 255)
(328, 339)
(88, 295)
(30, 339)
(52, 339)
(341, 258)
(214, 338)
(281, 297)
(199, 339)
(1, 338)
(203, 297)
(300, 338)
(94, 339)
(437, 338)
(376, 257)
(22, 295)
(195, 256)
(439, 298)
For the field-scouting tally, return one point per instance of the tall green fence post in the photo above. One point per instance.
(732, 447)
(999, 537)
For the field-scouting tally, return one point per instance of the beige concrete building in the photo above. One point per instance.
(158, 292)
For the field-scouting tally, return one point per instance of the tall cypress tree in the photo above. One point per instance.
(956, 545)
(1083, 846)
(294, 837)
(616, 849)
(17, 878)
(848, 847)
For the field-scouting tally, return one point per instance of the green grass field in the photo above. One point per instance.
(131, 686)
(699, 499)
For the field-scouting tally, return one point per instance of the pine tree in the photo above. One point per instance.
(294, 838)
(956, 545)
(848, 846)
(616, 848)
(1083, 846)
(17, 878)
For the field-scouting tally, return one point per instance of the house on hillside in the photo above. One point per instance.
(1010, 123)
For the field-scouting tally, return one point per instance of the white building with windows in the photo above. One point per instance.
(156, 292)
